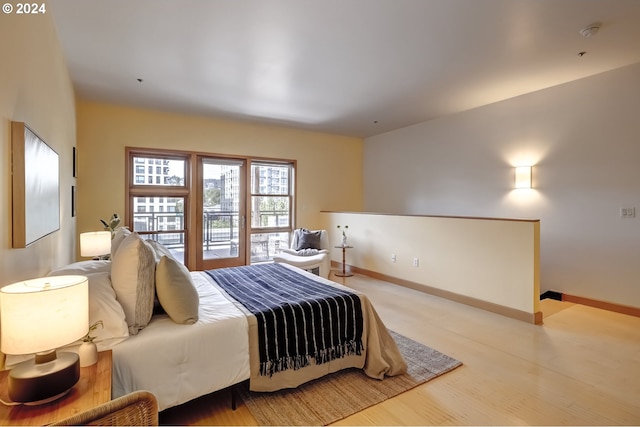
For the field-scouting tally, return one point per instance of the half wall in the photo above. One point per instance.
(490, 263)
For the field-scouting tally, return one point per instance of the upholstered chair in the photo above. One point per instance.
(309, 250)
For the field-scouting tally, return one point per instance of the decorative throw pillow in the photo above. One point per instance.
(118, 237)
(309, 240)
(159, 250)
(307, 252)
(176, 291)
(133, 280)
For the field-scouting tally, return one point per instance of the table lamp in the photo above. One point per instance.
(95, 244)
(38, 316)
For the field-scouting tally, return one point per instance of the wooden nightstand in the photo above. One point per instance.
(93, 389)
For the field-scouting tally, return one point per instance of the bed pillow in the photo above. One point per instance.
(176, 292)
(102, 301)
(309, 240)
(132, 278)
(104, 306)
(82, 268)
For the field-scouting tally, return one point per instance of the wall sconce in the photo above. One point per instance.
(523, 177)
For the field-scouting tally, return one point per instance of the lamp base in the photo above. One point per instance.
(47, 400)
(33, 382)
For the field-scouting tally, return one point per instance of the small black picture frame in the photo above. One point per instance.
(73, 201)
(75, 162)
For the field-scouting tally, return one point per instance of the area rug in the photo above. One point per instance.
(344, 393)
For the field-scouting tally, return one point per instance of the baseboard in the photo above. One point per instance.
(610, 306)
(535, 318)
(604, 305)
(551, 295)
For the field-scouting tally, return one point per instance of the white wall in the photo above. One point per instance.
(35, 88)
(583, 139)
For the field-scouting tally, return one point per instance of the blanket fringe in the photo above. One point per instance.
(350, 348)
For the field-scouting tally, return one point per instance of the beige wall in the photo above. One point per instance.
(583, 139)
(35, 88)
(329, 174)
(470, 259)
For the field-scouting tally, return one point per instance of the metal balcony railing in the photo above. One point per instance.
(219, 229)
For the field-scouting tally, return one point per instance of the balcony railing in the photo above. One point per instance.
(167, 227)
(274, 218)
(220, 232)
(220, 227)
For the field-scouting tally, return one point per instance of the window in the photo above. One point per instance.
(147, 211)
(271, 208)
(172, 169)
(163, 203)
(270, 203)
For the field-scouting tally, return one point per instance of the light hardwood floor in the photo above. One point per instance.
(581, 367)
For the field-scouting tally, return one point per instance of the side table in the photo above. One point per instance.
(344, 272)
(92, 389)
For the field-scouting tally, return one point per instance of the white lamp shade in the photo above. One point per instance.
(523, 177)
(43, 314)
(95, 243)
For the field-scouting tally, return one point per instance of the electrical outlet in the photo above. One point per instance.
(416, 262)
(393, 258)
(627, 212)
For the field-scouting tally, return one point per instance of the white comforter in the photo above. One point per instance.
(179, 363)
(201, 358)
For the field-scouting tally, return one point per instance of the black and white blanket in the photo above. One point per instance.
(300, 320)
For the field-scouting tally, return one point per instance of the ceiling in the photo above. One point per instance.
(351, 67)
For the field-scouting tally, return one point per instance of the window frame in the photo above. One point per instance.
(189, 193)
(154, 191)
(290, 196)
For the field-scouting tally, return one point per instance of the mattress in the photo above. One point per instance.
(204, 357)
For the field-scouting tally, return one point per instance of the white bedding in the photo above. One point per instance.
(204, 357)
(180, 362)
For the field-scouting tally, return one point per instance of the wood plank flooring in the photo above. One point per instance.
(581, 367)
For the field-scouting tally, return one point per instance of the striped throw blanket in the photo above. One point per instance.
(299, 319)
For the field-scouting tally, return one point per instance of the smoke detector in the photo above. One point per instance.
(590, 30)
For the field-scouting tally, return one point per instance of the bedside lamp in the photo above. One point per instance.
(95, 244)
(38, 316)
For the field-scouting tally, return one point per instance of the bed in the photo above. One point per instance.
(182, 361)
